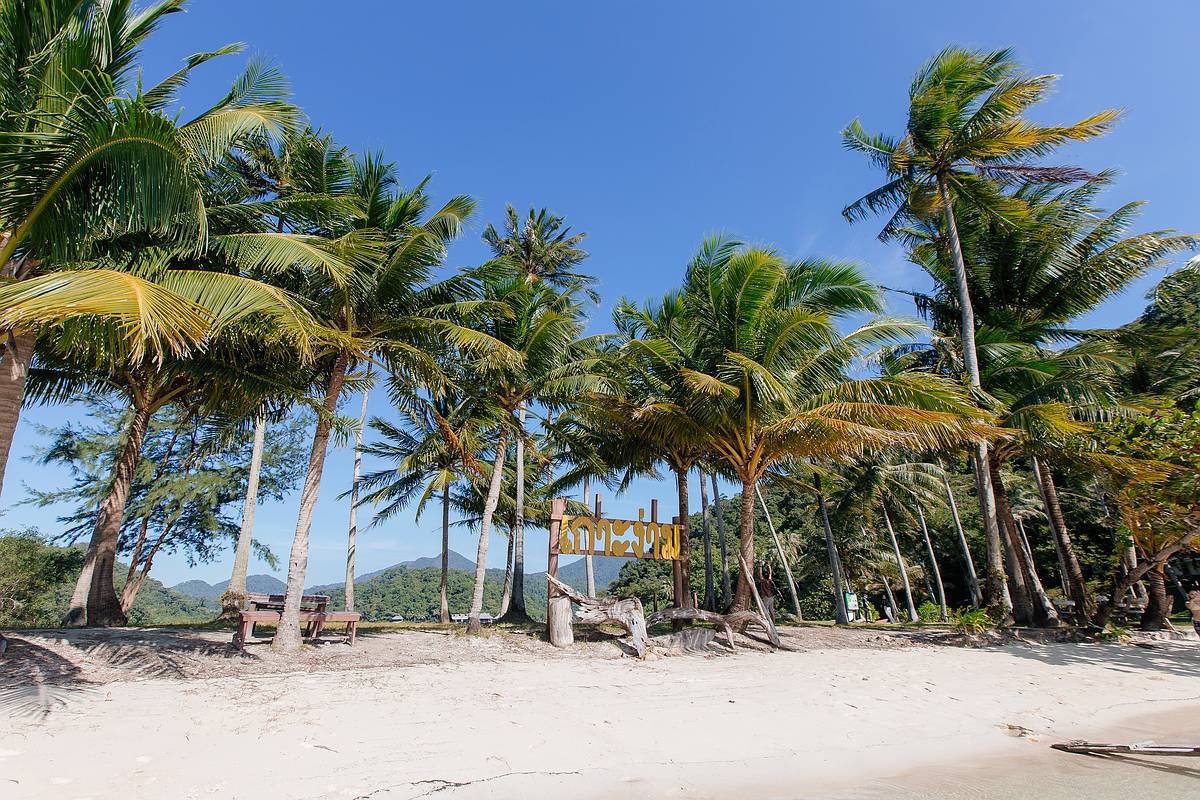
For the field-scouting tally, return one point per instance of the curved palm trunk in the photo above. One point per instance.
(1159, 606)
(937, 572)
(506, 593)
(94, 602)
(235, 593)
(741, 598)
(444, 587)
(908, 595)
(972, 578)
(352, 533)
(14, 368)
(787, 570)
(588, 567)
(726, 590)
(1043, 611)
(485, 528)
(516, 610)
(1073, 574)
(709, 589)
(841, 614)
(683, 595)
(994, 594)
(287, 636)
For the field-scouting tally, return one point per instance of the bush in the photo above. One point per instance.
(929, 612)
(972, 620)
(30, 573)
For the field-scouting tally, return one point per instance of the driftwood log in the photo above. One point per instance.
(1097, 748)
(626, 612)
(739, 620)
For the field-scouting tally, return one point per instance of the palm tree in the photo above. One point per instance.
(386, 314)
(431, 451)
(772, 383)
(966, 132)
(552, 365)
(90, 157)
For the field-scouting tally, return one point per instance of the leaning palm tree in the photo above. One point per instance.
(966, 134)
(385, 313)
(773, 382)
(553, 364)
(89, 157)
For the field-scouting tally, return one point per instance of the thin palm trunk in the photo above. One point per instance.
(14, 368)
(516, 610)
(937, 572)
(726, 590)
(235, 592)
(972, 578)
(891, 598)
(588, 566)
(741, 598)
(506, 593)
(908, 595)
(94, 602)
(709, 589)
(685, 541)
(485, 528)
(994, 594)
(287, 636)
(1160, 604)
(352, 532)
(1073, 574)
(444, 587)
(787, 570)
(841, 614)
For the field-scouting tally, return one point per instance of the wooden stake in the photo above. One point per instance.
(558, 605)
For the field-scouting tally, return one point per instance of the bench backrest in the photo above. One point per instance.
(308, 601)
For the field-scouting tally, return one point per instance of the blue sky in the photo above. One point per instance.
(650, 125)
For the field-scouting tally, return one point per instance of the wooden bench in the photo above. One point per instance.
(269, 608)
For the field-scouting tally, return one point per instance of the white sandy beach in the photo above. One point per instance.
(855, 720)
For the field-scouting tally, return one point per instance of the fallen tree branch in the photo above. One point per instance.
(626, 612)
(738, 620)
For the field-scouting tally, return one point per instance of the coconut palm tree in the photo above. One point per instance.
(90, 157)
(772, 383)
(967, 135)
(385, 313)
(554, 365)
(430, 451)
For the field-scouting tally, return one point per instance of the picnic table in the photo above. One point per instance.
(314, 610)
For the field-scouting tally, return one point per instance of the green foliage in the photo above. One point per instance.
(929, 612)
(414, 593)
(972, 620)
(30, 572)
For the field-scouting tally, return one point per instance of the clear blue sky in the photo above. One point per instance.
(650, 125)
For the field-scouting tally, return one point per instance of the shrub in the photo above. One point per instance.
(972, 620)
(929, 612)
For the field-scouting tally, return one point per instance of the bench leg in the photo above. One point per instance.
(239, 638)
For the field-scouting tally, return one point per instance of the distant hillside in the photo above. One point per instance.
(260, 584)
(605, 568)
(457, 561)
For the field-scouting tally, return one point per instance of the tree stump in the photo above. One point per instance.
(626, 612)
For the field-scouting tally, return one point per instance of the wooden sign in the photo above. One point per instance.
(624, 538)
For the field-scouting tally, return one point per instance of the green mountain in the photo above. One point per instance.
(260, 584)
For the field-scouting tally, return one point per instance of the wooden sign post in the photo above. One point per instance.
(558, 605)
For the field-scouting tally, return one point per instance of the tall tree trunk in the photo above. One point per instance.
(130, 592)
(937, 572)
(841, 614)
(1000, 605)
(516, 610)
(1161, 604)
(485, 528)
(891, 598)
(1044, 612)
(972, 578)
(741, 597)
(287, 635)
(908, 595)
(14, 368)
(709, 588)
(1076, 585)
(235, 592)
(444, 586)
(787, 570)
(726, 589)
(685, 540)
(588, 567)
(94, 602)
(506, 593)
(352, 532)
